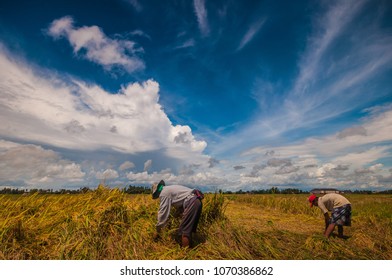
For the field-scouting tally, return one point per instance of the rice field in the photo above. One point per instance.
(109, 224)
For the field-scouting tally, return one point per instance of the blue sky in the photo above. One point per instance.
(217, 94)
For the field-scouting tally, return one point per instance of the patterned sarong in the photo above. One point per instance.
(341, 216)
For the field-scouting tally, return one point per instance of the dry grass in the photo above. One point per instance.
(287, 228)
(108, 224)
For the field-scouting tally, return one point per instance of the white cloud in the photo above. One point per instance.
(250, 34)
(199, 179)
(201, 14)
(350, 158)
(107, 174)
(187, 44)
(140, 33)
(358, 130)
(34, 165)
(372, 132)
(330, 26)
(147, 165)
(38, 107)
(91, 43)
(135, 4)
(331, 82)
(363, 158)
(127, 165)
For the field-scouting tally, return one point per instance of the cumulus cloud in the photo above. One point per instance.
(33, 165)
(74, 127)
(275, 162)
(239, 167)
(127, 165)
(349, 158)
(181, 138)
(182, 134)
(286, 169)
(39, 107)
(92, 44)
(212, 162)
(207, 180)
(330, 170)
(187, 170)
(270, 153)
(107, 174)
(147, 165)
(256, 169)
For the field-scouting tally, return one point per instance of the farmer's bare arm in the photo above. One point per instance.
(329, 230)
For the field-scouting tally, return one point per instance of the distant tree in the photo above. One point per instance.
(137, 190)
(291, 191)
(274, 190)
(387, 192)
(84, 189)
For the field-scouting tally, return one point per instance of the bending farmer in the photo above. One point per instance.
(186, 200)
(340, 209)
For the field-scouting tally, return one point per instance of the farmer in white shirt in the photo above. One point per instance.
(340, 209)
(186, 200)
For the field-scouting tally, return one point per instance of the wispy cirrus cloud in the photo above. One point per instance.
(135, 4)
(352, 157)
(328, 85)
(202, 18)
(328, 28)
(329, 82)
(187, 44)
(92, 44)
(251, 33)
(324, 78)
(372, 132)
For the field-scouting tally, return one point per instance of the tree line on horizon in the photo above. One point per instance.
(147, 190)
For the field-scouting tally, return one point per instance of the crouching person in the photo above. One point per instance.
(185, 200)
(340, 209)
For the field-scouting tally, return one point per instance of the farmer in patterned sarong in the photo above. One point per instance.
(187, 202)
(340, 209)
